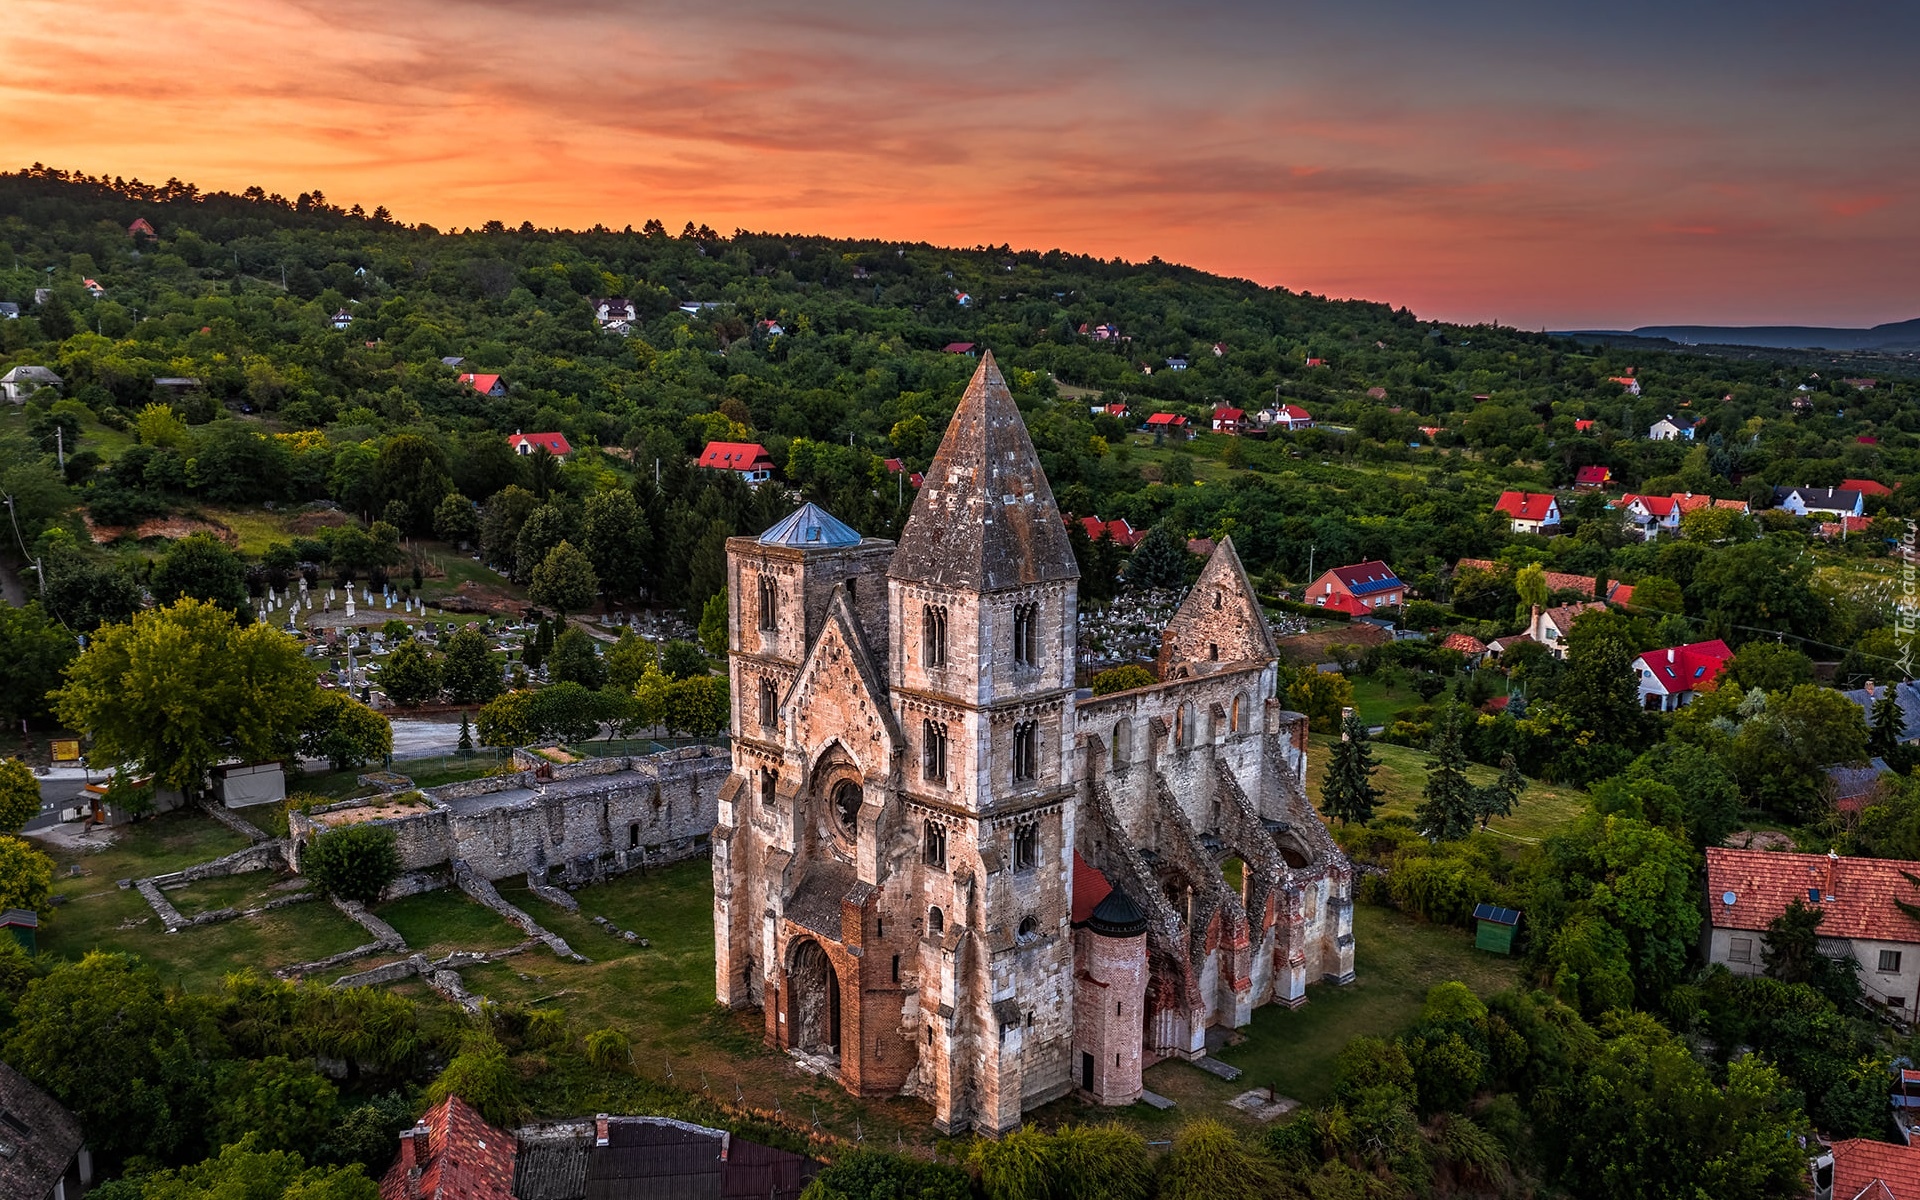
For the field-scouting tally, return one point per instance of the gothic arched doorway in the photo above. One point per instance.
(813, 1001)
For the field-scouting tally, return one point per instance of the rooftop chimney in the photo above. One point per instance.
(1669, 653)
(600, 1129)
(1833, 866)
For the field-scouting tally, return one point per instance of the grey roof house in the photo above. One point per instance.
(1906, 694)
(42, 1153)
(19, 384)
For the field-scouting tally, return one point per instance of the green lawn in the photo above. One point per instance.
(1378, 700)
(439, 922)
(1545, 808)
(1397, 960)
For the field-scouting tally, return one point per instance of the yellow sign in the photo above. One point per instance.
(66, 749)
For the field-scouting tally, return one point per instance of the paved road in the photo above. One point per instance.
(58, 787)
(424, 737)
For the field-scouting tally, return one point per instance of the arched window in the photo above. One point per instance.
(769, 604)
(769, 704)
(1186, 725)
(769, 781)
(1219, 598)
(936, 921)
(1026, 634)
(1233, 721)
(1122, 744)
(934, 850)
(846, 804)
(933, 750)
(933, 635)
(1026, 847)
(1026, 750)
(1213, 651)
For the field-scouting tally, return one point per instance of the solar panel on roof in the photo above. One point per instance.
(1496, 914)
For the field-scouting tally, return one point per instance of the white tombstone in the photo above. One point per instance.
(349, 605)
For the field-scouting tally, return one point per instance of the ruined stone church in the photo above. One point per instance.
(940, 869)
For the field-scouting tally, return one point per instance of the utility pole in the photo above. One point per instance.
(60, 447)
(1310, 549)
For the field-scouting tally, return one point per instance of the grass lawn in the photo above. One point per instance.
(1545, 808)
(1378, 700)
(1397, 960)
(436, 923)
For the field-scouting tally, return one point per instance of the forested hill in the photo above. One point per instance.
(833, 354)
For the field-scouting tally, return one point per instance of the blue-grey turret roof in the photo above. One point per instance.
(810, 525)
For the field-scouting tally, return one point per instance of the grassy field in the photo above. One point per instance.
(1378, 700)
(437, 923)
(1545, 808)
(99, 915)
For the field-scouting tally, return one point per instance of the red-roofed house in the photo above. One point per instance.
(1117, 409)
(1652, 515)
(1583, 425)
(1530, 512)
(1172, 424)
(1229, 420)
(1673, 677)
(1287, 417)
(1466, 644)
(1316, 362)
(1863, 1169)
(140, 229)
(1866, 487)
(958, 348)
(1122, 534)
(1747, 889)
(524, 443)
(1628, 382)
(1592, 479)
(451, 1154)
(894, 467)
(486, 385)
(1845, 527)
(1358, 589)
(749, 459)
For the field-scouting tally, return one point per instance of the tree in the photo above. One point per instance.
(1348, 794)
(481, 1076)
(1321, 695)
(201, 567)
(628, 659)
(1210, 1162)
(574, 660)
(456, 520)
(26, 875)
(1778, 752)
(619, 542)
(1758, 586)
(33, 652)
(19, 795)
(882, 1175)
(1600, 689)
(506, 512)
(413, 474)
(565, 581)
(713, 625)
(545, 528)
(467, 669)
(1888, 735)
(1159, 560)
(509, 720)
(98, 1035)
(288, 1105)
(1122, 679)
(1792, 950)
(1631, 885)
(1769, 666)
(183, 687)
(345, 732)
(87, 596)
(355, 862)
(409, 676)
(243, 1171)
(1449, 804)
(683, 660)
(1530, 586)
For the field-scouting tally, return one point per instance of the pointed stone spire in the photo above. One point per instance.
(985, 518)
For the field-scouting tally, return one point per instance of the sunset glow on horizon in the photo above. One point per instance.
(1691, 162)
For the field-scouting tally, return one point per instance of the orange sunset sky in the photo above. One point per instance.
(1546, 165)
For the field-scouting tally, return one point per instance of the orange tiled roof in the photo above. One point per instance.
(1465, 643)
(1477, 564)
(1857, 894)
(1560, 581)
(460, 1157)
(1859, 1164)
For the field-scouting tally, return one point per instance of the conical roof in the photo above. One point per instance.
(810, 525)
(985, 518)
(1118, 916)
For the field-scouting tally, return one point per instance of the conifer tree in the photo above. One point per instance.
(1450, 803)
(1502, 796)
(1348, 793)
(466, 735)
(1889, 723)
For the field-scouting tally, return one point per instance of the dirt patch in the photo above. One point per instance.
(171, 528)
(310, 523)
(1312, 647)
(475, 597)
(373, 812)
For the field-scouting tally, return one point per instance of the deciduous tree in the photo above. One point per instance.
(564, 581)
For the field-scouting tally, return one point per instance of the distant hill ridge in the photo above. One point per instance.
(1893, 336)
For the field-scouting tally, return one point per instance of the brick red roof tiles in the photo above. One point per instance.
(1465, 643)
(481, 383)
(1478, 564)
(459, 1157)
(1857, 894)
(1560, 581)
(1869, 1170)
(1593, 475)
(736, 456)
(1525, 506)
(1229, 414)
(1689, 668)
(556, 443)
(1866, 487)
(1090, 887)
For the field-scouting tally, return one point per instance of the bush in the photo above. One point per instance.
(609, 1049)
(481, 1075)
(878, 1175)
(1122, 679)
(355, 862)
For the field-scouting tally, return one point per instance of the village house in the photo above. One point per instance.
(139, 228)
(1229, 421)
(1867, 1169)
(1550, 626)
(1358, 589)
(1866, 487)
(20, 383)
(614, 308)
(524, 443)
(1169, 424)
(1671, 428)
(1471, 647)
(1592, 479)
(1688, 501)
(1651, 516)
(1583, 425)
(1748, 889)
(1906, 694)
(1286, 418)
(9, 310)
(1677, 675)
(895, 466)
(1811, 501)
(42, 1153)
(965, 348)
(941, 872)
(1530, 512)
(1177, 363)
(340, 319)
(1122, 534)
(486, 385)
(1117, 409)
(749, 460)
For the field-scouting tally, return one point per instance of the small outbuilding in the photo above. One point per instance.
(24, 925)
(1494, 927)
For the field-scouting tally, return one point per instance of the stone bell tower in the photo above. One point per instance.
(982, 604)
